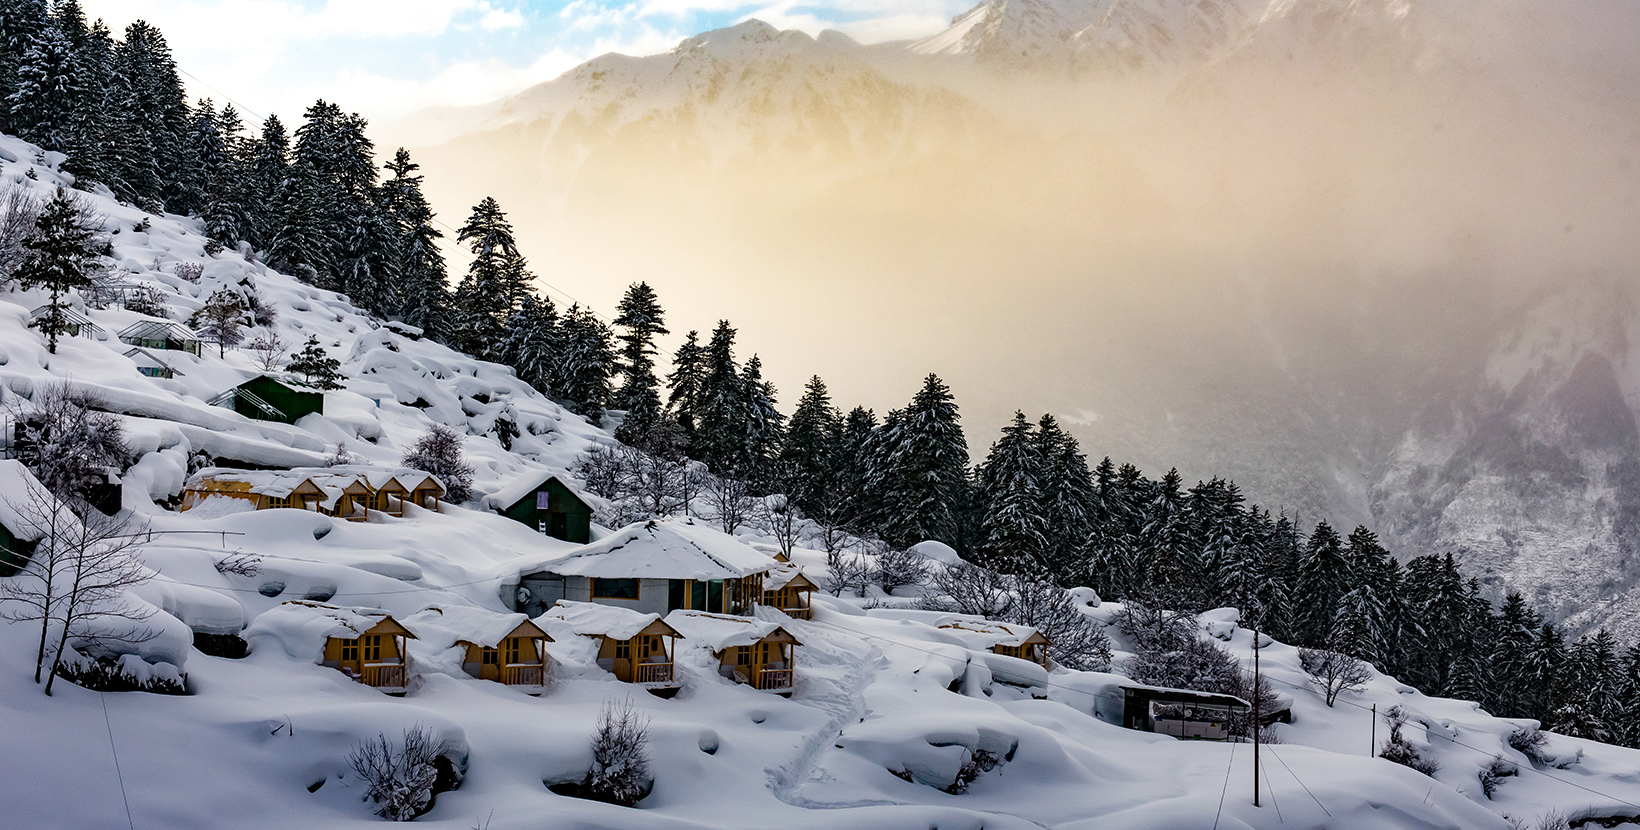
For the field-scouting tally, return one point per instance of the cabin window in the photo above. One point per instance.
(743, 655)
(276, 502)
(543, 500)
(614, 588)
(489, 657)
(623, 649)
(350, 651)
(372, 648)
(512, 650)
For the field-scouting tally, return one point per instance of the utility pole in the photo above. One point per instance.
(1258, 724)
(1372, 751)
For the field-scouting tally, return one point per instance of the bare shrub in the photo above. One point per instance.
(240, 564)
(1398, 749)
(966, 588)
(269, 351)
(190, 271)
(340, 457)
(400, 781)
(979, 762)
(893, 568)
(1333, 672)
(1492, 775)
(1531, 742)
(149, 300)
(846, 571)
(730, 500)
(620, 756)
(1553, 820)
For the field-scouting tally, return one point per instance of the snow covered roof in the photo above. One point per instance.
(18, 487)
(158, 330)
(655, 549)
(596, 620)
(69, 316)
(302, 626)
(442, 626)
(521, 488)
(720, 631)
(136, 352)
(991, 633)
(1168, 693)
(786, 573)
(330, 482)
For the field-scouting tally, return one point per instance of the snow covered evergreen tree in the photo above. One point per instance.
(586, 362)
(60, 257)
(485, 297)
(806, 463)
(1323, 579)
(316, 366)
(683, 384)
(765, 426)
(1068, 497)
(41, 107)
(721, 428)
(533, 347)
(1013, 531)
(641, 319)
(924, 470)
(438, 451)
(424, 296)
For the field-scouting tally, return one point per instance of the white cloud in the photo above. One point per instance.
(502, 19)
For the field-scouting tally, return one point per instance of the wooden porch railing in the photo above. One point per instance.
(526, 674)
(653, 673)
(774, 680)
(384, 675)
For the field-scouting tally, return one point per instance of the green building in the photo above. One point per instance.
(548, 505)
(266, 399)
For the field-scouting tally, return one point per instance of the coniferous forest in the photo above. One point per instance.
(314, 202)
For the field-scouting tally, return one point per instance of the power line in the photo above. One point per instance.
(226, 96)
(1301, 783)
(1227, 770)
(103, 696)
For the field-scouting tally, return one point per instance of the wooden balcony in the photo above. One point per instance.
(798, 613)
(652, 673)
(383, 675)
(773, 680)
(524, 674)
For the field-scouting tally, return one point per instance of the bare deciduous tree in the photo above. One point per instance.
(400, 782)
(894, 568)
(783, 520)
(1333, 672)
(269, 351)
(19, 208)
(65, 439)
(966, 588)
(731, 501)
(846, 571)
(75, 583)
(240, 563)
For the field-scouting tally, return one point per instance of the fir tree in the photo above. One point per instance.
(424, 297)
(21, 22)
(1171, 582)
(267, 167)
(854, 462)
(533, 342)
(1068, 496)
(485, 296)
(47, 91)
(316, 366)
(641, 320)
(1014, 532)
(586, 363)
(721, 427)
(806, 461)
(684, 384)
(221, 320)
(924, 472)
(765, 426)
(59, 256)
(1323, 579)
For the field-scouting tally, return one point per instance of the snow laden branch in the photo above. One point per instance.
(400, 780)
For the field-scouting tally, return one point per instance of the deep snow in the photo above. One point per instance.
(869, 739)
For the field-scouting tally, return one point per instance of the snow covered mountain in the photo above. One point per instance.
(886, 710)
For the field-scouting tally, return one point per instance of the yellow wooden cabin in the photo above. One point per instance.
(348, 492)
(787, 589)
(749, 651)
(517, 659)
(1006, 639)
(376, 656)
(636, 647)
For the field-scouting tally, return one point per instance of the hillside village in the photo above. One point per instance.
(302, 593)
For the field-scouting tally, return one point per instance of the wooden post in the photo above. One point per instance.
(1372, 750)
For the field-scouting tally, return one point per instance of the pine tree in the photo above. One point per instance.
(1171, 581)
(424, 299)
(316, 366)
(533, 343)
(586, 363)
(221, 320)
(855, 498)
(806, 461)
(683, 398)
(1323, 579)
(60, 257)
(1014, 532)
(721, 429)
(1068, 496)
(21, 22)
(765, 426)
(641, 320)
(47, 91)
(267, 166)
(484, 297)
(925, 470)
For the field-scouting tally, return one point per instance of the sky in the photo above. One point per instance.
(387, 58)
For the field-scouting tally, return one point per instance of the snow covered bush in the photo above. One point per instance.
(148, 300)
(979, 762)
(620, 757)
(107, 674)
(401, 782)
(1400, 750)
(65, 438)
(1531, 742)
(438, 451)
(1333, 672)
(1492, 774)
